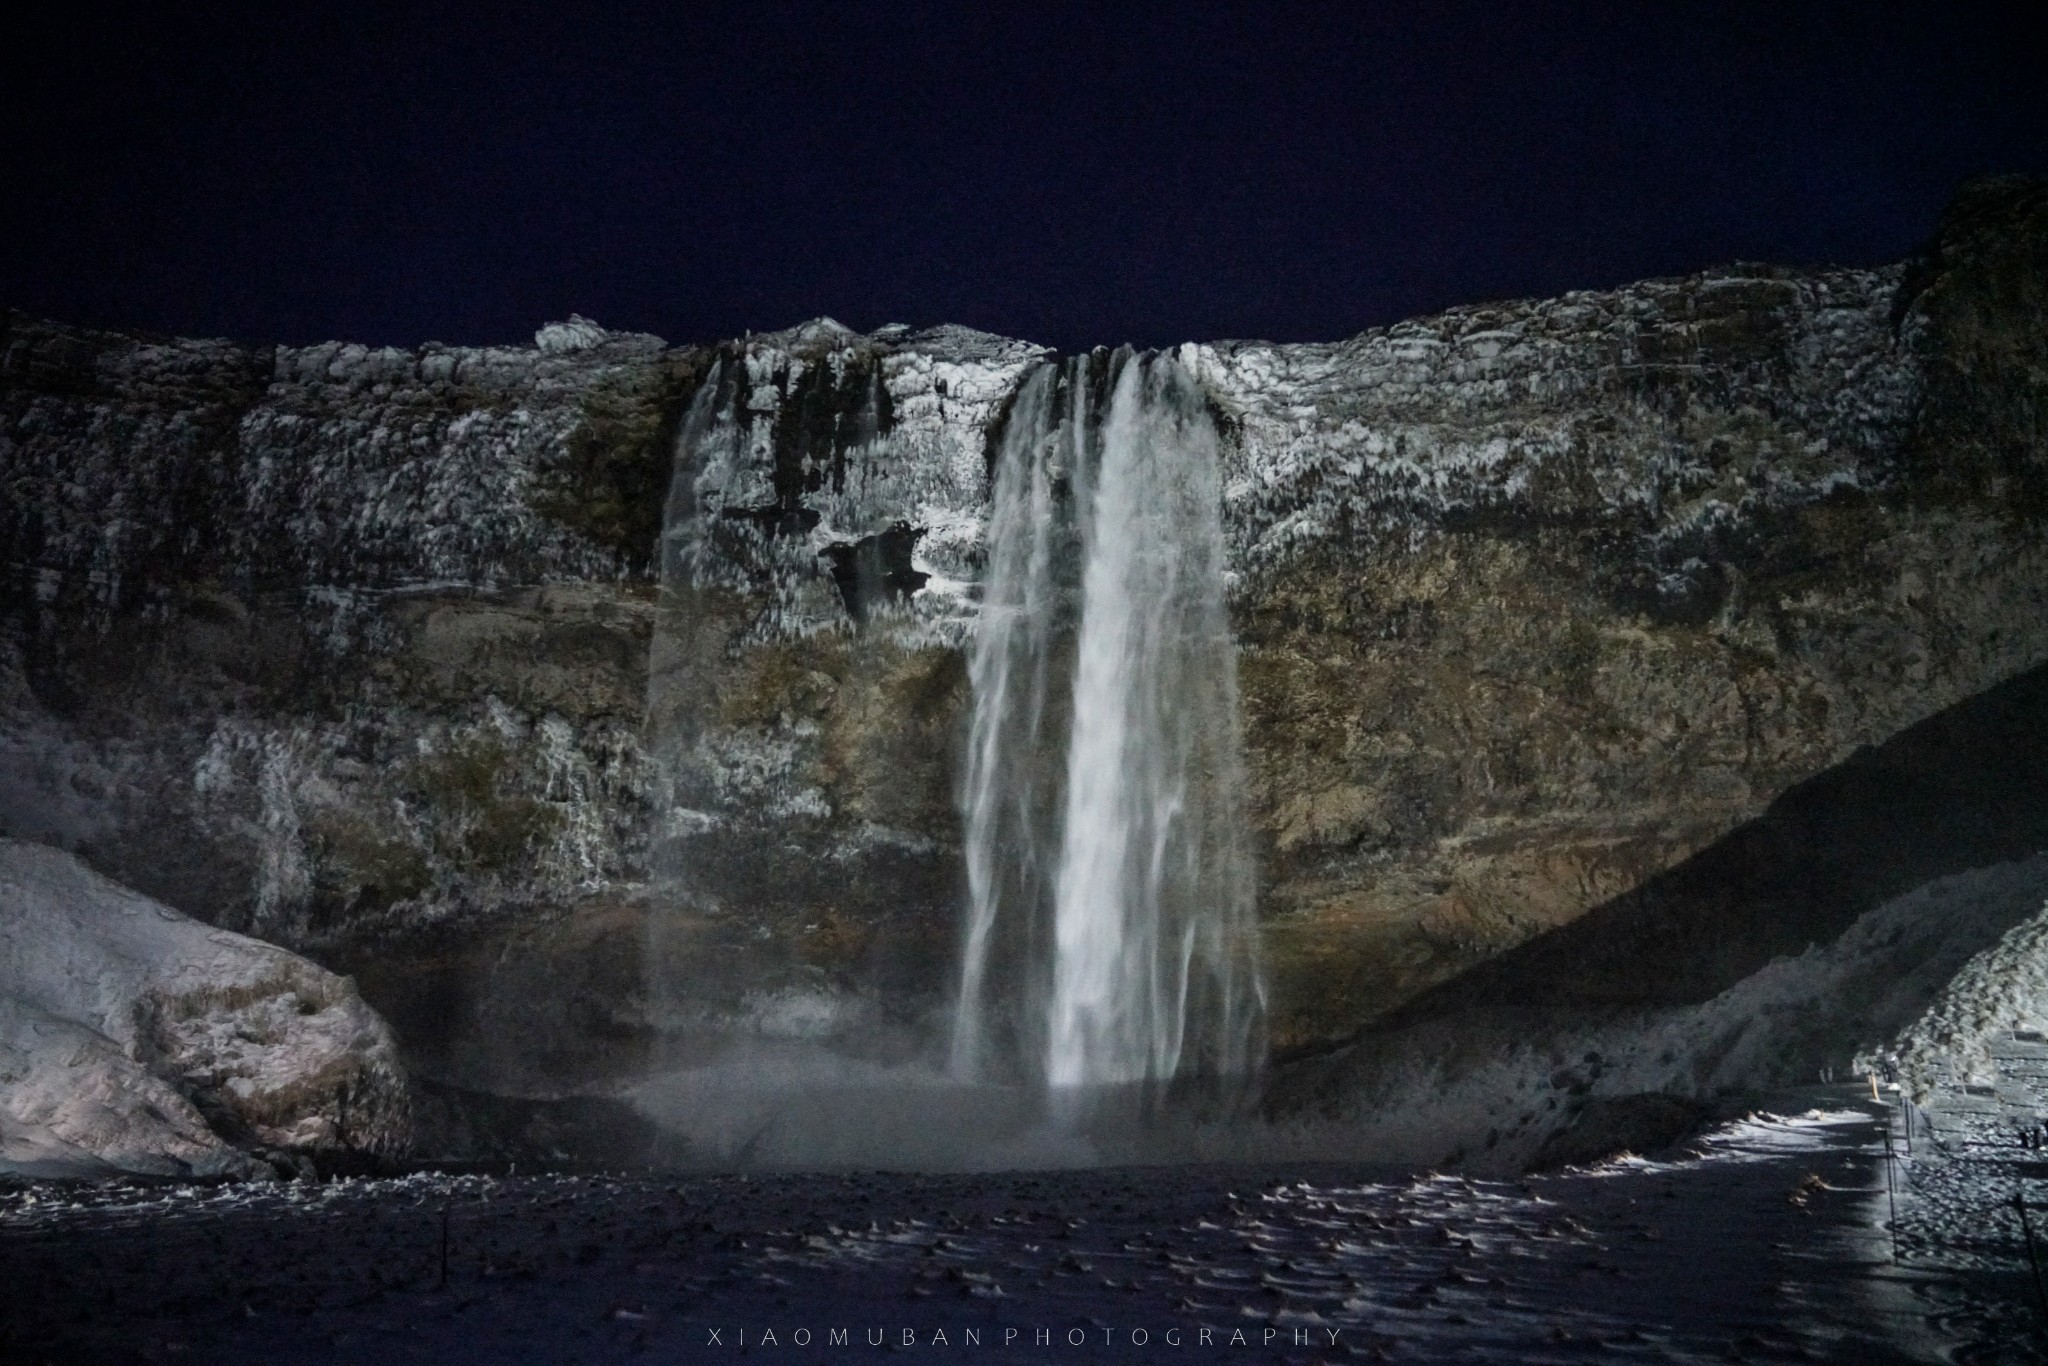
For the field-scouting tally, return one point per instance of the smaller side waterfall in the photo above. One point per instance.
(1013, 775)
(1109, 939)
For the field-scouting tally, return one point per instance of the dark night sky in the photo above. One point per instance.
(1072, 174)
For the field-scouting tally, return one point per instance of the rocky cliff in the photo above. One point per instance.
(598, 696)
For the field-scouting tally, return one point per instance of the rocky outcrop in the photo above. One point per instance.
(134, 1038)
(1499, 1087)
(598, 696)
(77, 1105)
(338, 646)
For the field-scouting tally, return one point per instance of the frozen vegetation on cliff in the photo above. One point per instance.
(1569, 408)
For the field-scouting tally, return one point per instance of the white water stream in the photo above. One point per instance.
(1109, 940)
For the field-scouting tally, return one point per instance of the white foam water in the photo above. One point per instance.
(1109, 940)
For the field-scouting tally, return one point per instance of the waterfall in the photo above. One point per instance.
(1109, 938)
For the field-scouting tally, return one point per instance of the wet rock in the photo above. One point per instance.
(877, 569)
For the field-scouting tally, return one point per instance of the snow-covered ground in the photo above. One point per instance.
(1956, 1177)
(1764, 1243)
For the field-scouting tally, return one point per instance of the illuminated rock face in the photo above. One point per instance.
(138, 1039)
(389, 655)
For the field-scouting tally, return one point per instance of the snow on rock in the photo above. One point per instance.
(73, 1103)
(1972, 1075)
(1678, 412)
(1550, 409)
(1631, 559)
(141, 462)
(136, 1038)
(577, 334)
(809, 445)
(2001, 992)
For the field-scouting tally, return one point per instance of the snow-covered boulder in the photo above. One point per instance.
(72, 1103)
(133, 1037)
(577, 334)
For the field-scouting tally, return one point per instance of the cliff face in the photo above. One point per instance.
(385, 656)
(335, 646)
(1540, 598)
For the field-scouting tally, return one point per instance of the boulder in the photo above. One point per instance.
(135, 1038)
(72, 1104)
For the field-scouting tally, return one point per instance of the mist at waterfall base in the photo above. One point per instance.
(1108, 1006)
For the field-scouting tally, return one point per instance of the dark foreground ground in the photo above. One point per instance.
(1765, 1244)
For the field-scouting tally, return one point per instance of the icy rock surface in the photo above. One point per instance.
(360, 648)
(2000, 992)
(73, 1103)
(809, 444)
(1968, 1080)
(138, 1038)
(577, 334)
(1561, 406)
(337, 467)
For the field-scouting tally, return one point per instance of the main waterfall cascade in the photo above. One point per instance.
(1109, 939)
(1107, 957)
